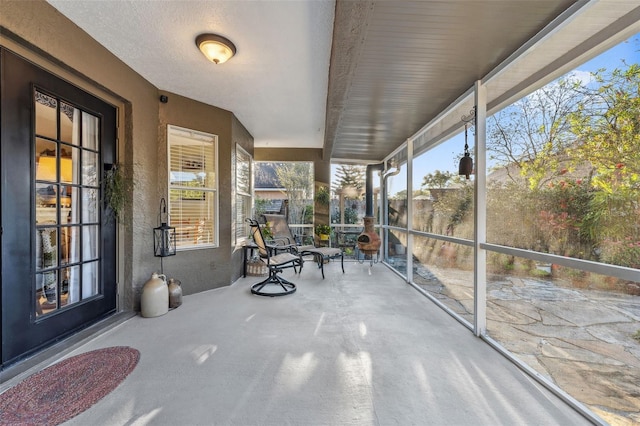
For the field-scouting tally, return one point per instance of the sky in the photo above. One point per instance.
(445, 156)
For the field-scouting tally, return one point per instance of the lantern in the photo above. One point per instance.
(164, 236)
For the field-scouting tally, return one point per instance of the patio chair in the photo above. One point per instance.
(277, 258)
(282, 233)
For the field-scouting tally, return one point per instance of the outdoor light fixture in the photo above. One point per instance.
(216, 48)
(466, 162)
(164, 236)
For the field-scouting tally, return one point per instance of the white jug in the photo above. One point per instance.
(155, 296)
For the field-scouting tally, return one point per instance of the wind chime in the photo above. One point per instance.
(465, 168)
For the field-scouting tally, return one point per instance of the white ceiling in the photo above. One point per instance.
(355, 77)
(276, 84)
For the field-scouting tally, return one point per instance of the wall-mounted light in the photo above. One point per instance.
(216, 48)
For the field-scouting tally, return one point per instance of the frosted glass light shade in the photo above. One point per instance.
(215, 48)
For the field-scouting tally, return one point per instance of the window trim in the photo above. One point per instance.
(186, 132)
(239, 149)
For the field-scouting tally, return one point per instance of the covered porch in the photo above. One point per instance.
(362, 347)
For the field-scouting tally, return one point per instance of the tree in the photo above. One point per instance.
(607, 127)
(534, 132)
(297, 179)
(350, 177)
(437, 180)
(576, 146)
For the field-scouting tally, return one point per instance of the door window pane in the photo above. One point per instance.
(46, 292)
(66, 200)
(90, 168)
(90, 242)
(46, 107)
(71, 244)
(89, 279)
(68, 123)
(46, 248)
(90, 129)
(90, 205)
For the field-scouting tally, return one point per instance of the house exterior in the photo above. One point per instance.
(36, 37)
(71, 112)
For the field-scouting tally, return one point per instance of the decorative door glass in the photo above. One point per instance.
(66, 204)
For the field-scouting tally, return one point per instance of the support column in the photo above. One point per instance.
(409, 251)
(480, 216)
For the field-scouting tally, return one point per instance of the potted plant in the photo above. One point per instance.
(118, 189)
(322, 195)
(267, 234)
(323, 231)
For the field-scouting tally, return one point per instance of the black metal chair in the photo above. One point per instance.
(282, 233)
(277, 258)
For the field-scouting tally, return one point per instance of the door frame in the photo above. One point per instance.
(13, 138)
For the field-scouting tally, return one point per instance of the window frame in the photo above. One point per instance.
(197, 136)
(249, 207)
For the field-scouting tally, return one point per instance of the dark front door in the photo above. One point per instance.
(58, 246)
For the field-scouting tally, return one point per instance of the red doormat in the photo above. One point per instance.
(66, 389)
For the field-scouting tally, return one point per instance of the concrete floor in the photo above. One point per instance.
(352, 349)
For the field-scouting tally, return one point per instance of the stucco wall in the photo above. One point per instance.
(242, 137)
(201, 269)
(36, 31)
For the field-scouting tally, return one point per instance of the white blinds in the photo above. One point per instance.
(243, 193)
(193, 187)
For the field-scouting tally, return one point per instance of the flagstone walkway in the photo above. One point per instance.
(585, 341)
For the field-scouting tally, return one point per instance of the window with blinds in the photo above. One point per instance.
(244, 189)
(193, 187)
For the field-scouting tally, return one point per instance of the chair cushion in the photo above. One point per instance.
(325, 251)
(282, 258)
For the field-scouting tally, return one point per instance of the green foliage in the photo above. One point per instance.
(570, 170)
(260, 206)
(118, 191)
(323, 229)
(350, 216)
(267, 233)
(437, 179)
(323, 196)
(607, 125)
(308, 214)
(297, 179)
(563, 209)
(636, 335)
(532, 132)
(625, 252)
(351, 177)
(400, 195)
(453, 208)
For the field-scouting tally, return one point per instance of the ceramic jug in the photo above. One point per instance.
(155, 296)
(175, 293)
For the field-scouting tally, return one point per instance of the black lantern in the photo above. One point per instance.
(164, 236)
(465, 167)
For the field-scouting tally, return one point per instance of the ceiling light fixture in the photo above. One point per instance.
(216, 48)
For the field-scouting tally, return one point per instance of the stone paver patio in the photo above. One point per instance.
(584, 341)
